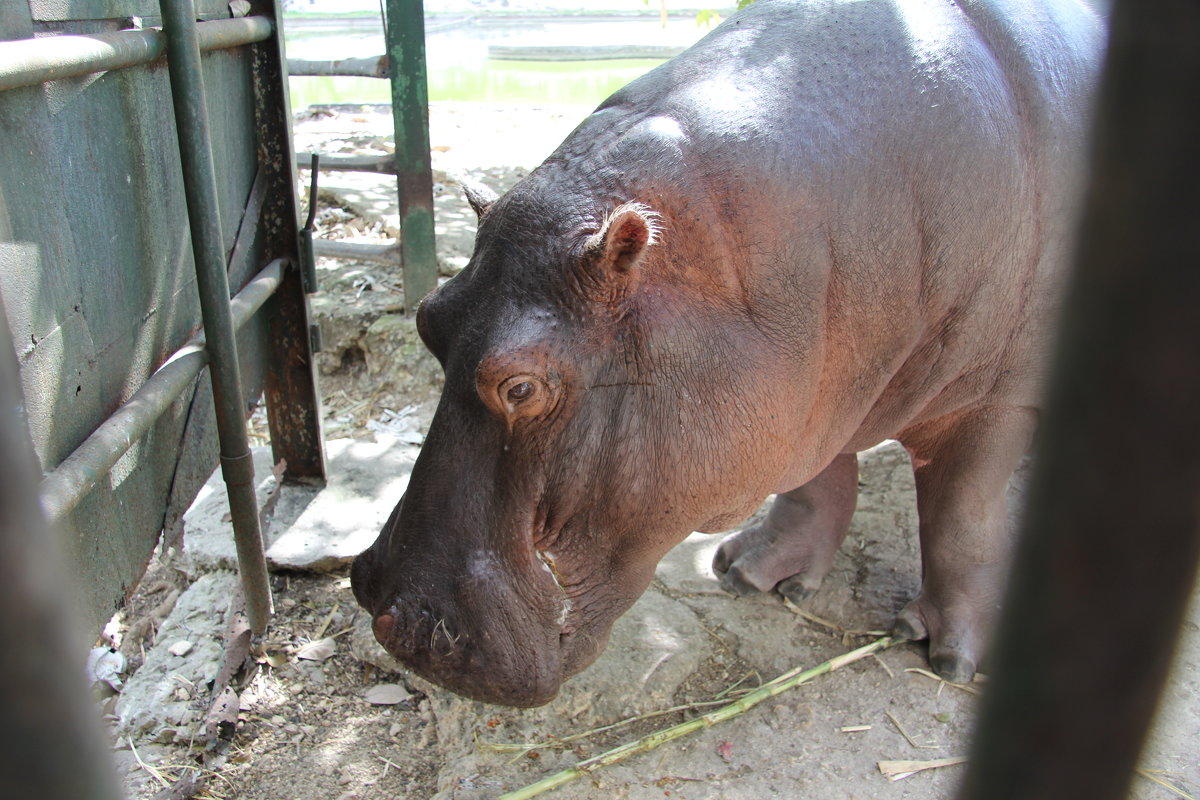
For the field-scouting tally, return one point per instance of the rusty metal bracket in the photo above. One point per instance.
(308, 261)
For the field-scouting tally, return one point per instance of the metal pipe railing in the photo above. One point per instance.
(384, 164)
(370, 67)
(64, 487)
(212, 280)
(357, 251)
(29, 62)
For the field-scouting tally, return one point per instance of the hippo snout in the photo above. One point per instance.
(485, 659)
(474, 633)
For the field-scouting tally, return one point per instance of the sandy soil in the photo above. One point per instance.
(306, 729)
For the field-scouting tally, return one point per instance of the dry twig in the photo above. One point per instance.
(899, 770)
(906, 735)
(964, 686)
(1152, 775)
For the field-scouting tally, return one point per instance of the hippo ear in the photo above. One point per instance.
(479, 196)
(624, 238)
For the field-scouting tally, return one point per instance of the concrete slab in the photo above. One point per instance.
(366, 481)
(207, 530)
(309, 529)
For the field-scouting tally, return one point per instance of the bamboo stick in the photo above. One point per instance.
(787, 680)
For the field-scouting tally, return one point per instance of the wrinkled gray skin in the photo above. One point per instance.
(826, 224)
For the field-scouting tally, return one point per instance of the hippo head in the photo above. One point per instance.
(599, 405)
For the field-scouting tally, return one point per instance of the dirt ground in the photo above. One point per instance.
(308, 727)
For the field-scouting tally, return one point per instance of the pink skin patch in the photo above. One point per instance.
(382, 626)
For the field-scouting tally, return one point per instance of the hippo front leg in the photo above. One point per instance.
(962, 465)
(792, 550)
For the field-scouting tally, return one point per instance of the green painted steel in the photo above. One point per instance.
(410, 109)
(66, 485)
(200, 189)
(98, 282)
(30, 62)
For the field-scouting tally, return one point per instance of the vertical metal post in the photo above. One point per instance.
(414, 177)
(292, 390)
(200, 188)
(50, 744)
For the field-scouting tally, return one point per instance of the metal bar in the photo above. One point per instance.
(63, 488)
(356, 251)
(385, 164)
(243, 255)
(596, 52)
(1108, 553)
(414, 176)
(212, 280)
(52, 748)
(29, 62)
(371, 67)
(291, 389)
(308, 261)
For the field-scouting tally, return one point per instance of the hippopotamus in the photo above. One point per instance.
(827, 224)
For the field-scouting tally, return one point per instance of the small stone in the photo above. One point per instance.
(165, 736)
(386, 694)
(180, 648)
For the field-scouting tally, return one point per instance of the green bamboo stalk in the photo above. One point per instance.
(788, 680)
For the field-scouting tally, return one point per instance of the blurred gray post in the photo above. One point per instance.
(1108, 554)
(51, 746)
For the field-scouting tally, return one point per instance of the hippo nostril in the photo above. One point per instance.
(382, 627)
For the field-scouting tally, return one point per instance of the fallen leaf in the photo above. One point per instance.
(105, 666)
(386, 694)
(273, 657)
(220, 722)
(319, 650)
(725, 751)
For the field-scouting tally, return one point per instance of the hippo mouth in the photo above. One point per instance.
(490, 643)
(566, 606)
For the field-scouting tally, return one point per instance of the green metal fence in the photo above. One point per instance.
(145, 176)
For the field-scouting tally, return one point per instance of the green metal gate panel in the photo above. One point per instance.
(97, 276)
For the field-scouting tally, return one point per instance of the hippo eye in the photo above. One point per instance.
(520, 392)
(522, 396)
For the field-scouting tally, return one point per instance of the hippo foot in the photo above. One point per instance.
(792, 550)
(955, 644)
(746, 567)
